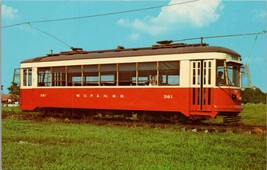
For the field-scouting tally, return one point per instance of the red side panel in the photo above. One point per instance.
(211, 101)
(183, 100)
(224, 102)
(149, 99)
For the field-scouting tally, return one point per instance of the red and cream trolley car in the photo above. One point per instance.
(197, 81)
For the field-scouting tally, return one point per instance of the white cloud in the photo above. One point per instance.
(259, 15)
(9, 12)
(134, 36)
(196, 14)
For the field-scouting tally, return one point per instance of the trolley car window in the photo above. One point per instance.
(207, 72)
(127, 74)
(220, 73)
(108, 74)
(44, 76)
(228, 74)
(169, 73)
(74, 76)
(146, 73)
(233, 74)
(91, 76)
(196, 72)
(58, 76)
(27, 77)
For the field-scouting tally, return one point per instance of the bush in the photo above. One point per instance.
(253, 95)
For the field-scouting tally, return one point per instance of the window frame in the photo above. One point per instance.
(46, 76)
(27, 77)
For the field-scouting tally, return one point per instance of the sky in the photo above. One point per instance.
(142, 28)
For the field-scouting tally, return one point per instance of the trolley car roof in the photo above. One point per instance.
(164, 48)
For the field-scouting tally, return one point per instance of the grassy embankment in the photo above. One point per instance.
(253, 114)
(54, 145)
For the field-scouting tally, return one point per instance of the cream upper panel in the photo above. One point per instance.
(169, 57)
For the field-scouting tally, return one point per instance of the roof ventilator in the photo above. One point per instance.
(74, 51)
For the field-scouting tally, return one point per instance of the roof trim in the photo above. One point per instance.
(78, 54)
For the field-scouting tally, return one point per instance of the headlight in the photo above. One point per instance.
(236, 95)
(233, 96)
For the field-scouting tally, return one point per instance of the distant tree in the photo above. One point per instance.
(253, 95)
(14, 91)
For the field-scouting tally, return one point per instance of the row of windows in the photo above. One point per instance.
(153, 73)
(131, 74)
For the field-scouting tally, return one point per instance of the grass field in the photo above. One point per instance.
(54, 145)
(50, 145)
(254, 114)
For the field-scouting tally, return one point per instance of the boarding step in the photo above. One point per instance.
(200, 115)
(231, 119)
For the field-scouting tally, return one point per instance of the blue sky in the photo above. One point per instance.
(136, 29)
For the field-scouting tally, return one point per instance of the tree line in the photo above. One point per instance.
(253, 95)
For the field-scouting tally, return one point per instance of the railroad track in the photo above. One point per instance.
(203, 128)
(224, 128)
(189, 127)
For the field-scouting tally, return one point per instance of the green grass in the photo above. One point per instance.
(54, 145)
(6, 109)
(254, 114)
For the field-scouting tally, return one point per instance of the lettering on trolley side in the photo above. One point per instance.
(42, 95)
(102, 96)
(167, 96)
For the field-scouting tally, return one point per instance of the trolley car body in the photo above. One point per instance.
(184, 80)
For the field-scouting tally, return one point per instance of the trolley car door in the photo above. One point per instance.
(201, 82)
